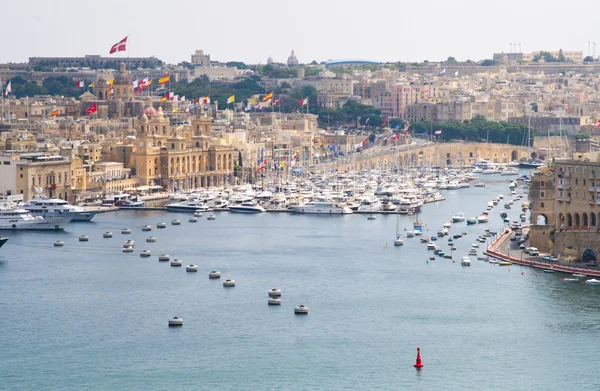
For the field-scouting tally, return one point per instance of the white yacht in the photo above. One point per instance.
(17, 218)
(458, 217)
(370, 204)
(510, 171)
(51, 208)
(320, 207)
(190, 206)
(247, 207)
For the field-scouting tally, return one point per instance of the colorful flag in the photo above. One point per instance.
(175, 110)
(231, 99)
(385, 119)
(175, 98)
(136, 83)
(443, 71)
(165, 79)
(187, 109)
(206, 100)
(8, 88)
(276, 102)
(55, 113)
(438, 132)
(111, 82)
(92, 109)
(408, 133)
(120, 46)
(163, 99)
(268, 96)
(304, 102)
(182, 99)
(171, 95)
(597, 124)
(80, 84)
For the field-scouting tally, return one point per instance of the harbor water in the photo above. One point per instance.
(87, 316)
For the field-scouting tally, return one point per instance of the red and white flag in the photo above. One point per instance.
(408, 133)
(276, 102)
(304, 102)
(438, 132)
(80, 84)
(120, 46)
(206, 100)
(597, 124)
(92, 109)
(182, 99)
(8, 89)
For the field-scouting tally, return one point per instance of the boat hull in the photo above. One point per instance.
(2, 241)
(238, 209)
(55, 224)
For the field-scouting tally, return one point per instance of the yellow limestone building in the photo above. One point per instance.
(180, 156)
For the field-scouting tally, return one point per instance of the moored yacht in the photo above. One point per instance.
(320, 207)
(247, 207)
(458, 217)
(51, 208)
(17, 218)
(188, 206)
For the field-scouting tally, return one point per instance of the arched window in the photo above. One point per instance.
(592, 219)
(173, 146)
(577, 220)
(569, 220)
(584, 218)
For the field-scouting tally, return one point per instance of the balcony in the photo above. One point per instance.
(561, 186)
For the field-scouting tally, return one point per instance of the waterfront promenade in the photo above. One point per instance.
(501, 249)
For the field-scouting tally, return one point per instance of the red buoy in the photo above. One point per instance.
(419, 363)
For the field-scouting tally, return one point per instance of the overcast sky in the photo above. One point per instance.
(253, 30)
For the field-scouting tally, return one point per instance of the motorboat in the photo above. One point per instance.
(431, 246)
(459, 217)
(151, 239)
(14, 217)
(510, 171)
(129, 243)
(193, 219)
(274, 301)
(321, 207)
(447, 225)
(145, 253)
(211, 217)
(483, 218)
(133, 204)
(424, 239)
(191, 268)
(229, 283)
(371, 217)
(274, 292)
(175, 222)
(504, 263)
(398, 242)
(176, 263)
(247, 207)
(107, 235)
(570, 279)
(176, 322)
(471, 221)
(410, 234)
(214, 274)
(84, 238)
(188, 206)
(51, 208)
(301, 310)
(161, 225)
(164, 257)
(592, 281)
(146, 228)
(465, 261)
(126, 231)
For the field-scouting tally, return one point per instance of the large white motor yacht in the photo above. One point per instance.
(190, 206)
(17, 218)
(51, 208)
(247, 207)
(320, 207)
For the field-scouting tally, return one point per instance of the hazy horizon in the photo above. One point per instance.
(382, 31)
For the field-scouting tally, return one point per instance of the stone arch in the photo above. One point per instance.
(577, 220)
(218, 162)
(584, 220)
(194, 163)
(592, 219)
(561, 219)
(160, 143)
(197, 144)
(230, 166)
(588, 255)
(569, 220)
(207, 164)
(172, 166)
(534, 155)
(542, 219)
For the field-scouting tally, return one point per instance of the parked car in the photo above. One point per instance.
(513, 237)
(522, 246)
(532, 251)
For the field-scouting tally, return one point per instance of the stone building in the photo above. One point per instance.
(180, 156)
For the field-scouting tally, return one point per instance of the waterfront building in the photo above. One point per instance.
(565, 207)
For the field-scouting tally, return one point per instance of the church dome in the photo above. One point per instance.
(270, 61)
(123, 78)
(292, 59)
(148, 110)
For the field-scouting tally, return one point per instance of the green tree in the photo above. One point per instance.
(451, 60)
(488, 63)
(588, 59)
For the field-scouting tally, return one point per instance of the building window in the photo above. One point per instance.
(542, 183)
(21, 175)
(541, 204)
(542, 194)
(32, 181)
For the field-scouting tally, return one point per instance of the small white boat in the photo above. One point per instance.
(410, 234)
(176, 222)
(483, 218)
(592, 281)
(275, 292)
(301, 310)
(146, 228)
(176, 263)
(579, 275)
(228, 283)
(129, 243)
(274, 301)
(145, 253)
(398, 242)
(211, 217)
(164, 257)
(84, 238)
(175, 322)
(473, 251)
(448, 225)
(475, 245)
(431, 246)
(193, 219)
(191, 268)
(59, 243)
(151, 239)
(493, 261)
(214, 274)
(161, 225)
(570, 279)
(127, 249)
(457, 218)
(107, 235)
(371, 217)
(197, 213)
(465, 261)
(126, 231)
(418, 232)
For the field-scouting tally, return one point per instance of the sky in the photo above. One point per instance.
(252, 30)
